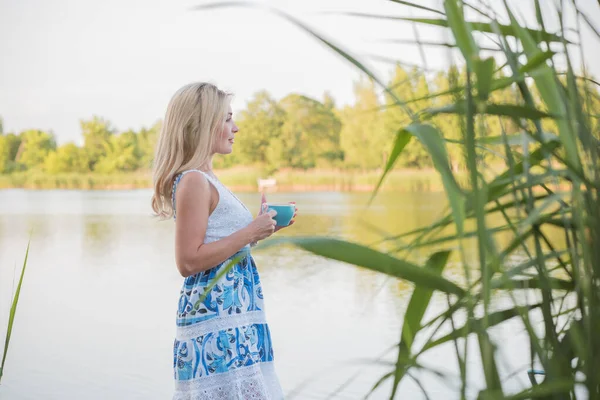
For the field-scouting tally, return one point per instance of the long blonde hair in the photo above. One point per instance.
(194, 119)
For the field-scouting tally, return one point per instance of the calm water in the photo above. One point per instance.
(97, 310)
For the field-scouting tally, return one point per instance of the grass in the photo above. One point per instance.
(40, 180)
(238, 178)
(13, 311)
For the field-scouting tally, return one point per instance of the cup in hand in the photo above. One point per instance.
(285, 213)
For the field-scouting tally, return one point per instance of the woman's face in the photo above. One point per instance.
(224, 144)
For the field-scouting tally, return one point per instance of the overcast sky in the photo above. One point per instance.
(66, 60)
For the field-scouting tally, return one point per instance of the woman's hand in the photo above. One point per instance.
(263, 207)
(263, 225)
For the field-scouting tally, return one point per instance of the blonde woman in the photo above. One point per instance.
(223, 347)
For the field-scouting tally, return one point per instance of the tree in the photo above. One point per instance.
(407, 87)
(417, 154)
(119, 154)
(34, 148)
(97, 134)
(363, 139)
(146, 144)
(67, 158)
(260, 127)
(4, 155)
(328, 101)
(310, 134)
(9, 146)
(451, 126)
(494, 125)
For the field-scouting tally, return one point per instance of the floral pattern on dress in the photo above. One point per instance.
(237, 292)
(222, 351)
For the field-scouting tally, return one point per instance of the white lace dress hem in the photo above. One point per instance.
(256, 382)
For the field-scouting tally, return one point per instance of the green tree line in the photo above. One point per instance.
(103, 150)
(294, 132)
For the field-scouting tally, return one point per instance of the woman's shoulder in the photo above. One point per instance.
(188, 188)
(188, 182)
(199, 177)
(181, 174)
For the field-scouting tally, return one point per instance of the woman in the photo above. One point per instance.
(223, 346)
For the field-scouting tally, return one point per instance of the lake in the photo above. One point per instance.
(97, 310)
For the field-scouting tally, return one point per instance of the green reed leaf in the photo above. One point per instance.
(402, 139)
(362, 256)
(419, 301)
(484, 70)
(461, 31)
(504, 110)
(13, 312)
(431, 138)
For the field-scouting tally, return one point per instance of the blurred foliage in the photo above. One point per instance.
(293, 132)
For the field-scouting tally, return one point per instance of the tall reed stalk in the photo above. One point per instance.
(13, 311)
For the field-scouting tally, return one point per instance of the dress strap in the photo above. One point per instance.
(176, 181)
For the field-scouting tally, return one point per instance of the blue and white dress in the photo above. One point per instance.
(223, 349)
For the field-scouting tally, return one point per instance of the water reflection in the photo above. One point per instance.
(97, 232)
(103, 268)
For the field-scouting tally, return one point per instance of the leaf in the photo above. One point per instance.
(536, 61)
(475, 325)
(589, 23)
(496, 84)
(362, 256)
(432, 140)
(531, 283)
(484, 69)
(549, 90)
(461, 31)
(402, 139)
(545, 391)
(228, 265)
(506, 30)
(505, 110)
(13, 311)
(429, 43)
(515, 139)
(410, 4)
(521, 268)
(537, 213)
(419, 301)
(499, 184)
(487, 351)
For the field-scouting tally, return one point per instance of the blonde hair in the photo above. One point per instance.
(194, 118)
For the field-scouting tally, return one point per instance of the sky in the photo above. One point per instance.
(68, 60)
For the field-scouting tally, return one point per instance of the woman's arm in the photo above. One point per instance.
(193, 209)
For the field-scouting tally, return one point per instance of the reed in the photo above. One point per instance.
(13, 311)
(551, 181)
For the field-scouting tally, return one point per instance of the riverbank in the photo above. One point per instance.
(239, 179)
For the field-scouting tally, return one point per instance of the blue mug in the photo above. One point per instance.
(285, 213)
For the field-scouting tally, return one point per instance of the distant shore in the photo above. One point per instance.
(239, 179)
